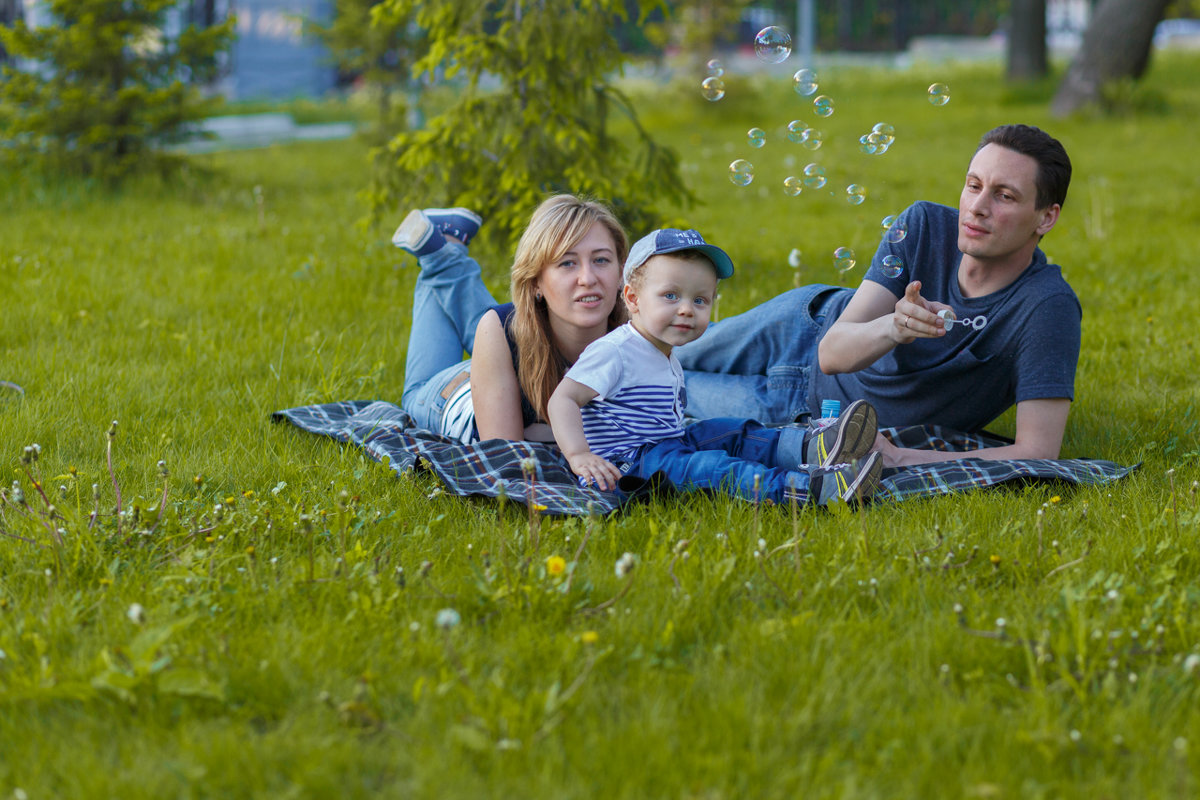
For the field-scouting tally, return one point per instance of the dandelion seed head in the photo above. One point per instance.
(625, 564)
(136, 614)
(1075, 735)
(414, 626)
(1191, 662)
(447, 618)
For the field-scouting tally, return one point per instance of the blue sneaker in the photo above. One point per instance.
(417, 235)
(461, 223)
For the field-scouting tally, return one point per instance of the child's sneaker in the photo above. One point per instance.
(850, 437)
(461, 223)
(849, 482)
(417, 235)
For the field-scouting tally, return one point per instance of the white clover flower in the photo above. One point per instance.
(136, 614)
(448, 618)
(1190, 663)
(625, 564)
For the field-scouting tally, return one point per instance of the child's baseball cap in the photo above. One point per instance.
(672, 240)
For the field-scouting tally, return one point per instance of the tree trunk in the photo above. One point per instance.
(1115, 45)
(1027, 40)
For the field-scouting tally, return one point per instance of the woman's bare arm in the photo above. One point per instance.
(495, 392)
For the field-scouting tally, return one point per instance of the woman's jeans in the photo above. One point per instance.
(757, 364)
(448, 301)
(735, 456)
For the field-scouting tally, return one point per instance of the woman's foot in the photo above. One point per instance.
(418, 235)
(460, 224)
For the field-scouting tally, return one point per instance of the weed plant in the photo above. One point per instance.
(197, 602)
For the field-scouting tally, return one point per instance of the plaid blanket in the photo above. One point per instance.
(530, 472)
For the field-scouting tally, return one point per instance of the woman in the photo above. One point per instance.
(566, 279)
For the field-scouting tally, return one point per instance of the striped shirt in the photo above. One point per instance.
(639, 394)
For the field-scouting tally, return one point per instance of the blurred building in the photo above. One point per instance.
(270, 59)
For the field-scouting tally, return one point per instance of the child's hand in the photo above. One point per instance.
(594, 470)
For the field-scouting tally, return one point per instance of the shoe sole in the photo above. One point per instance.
(413, 232)
(866, 483)
(855, 435)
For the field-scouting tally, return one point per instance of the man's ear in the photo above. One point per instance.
(1049, 217)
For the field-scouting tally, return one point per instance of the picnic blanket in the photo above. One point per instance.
(531, 472)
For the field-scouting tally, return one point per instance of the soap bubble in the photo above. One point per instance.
(814, 176)
(892, 266)
(813, 138)
(894, 231)
(805, 82)
(855, 194)
(797, 131)
(823, 105)
(756, 137)
(885, 131)
(773, 44)
(843, 259)
(713, 88)
(792, 185)
(741, 172)
(939, 94)
(795, 259)
(866, 145)
(715, 67)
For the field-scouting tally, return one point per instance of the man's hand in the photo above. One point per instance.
(594, 469)
(917, 318)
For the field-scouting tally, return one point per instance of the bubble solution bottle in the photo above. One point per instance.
(830, 411)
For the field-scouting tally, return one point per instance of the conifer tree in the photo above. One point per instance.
(534, 114)
(106, 87)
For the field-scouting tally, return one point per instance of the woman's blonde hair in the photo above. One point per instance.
(555, 227)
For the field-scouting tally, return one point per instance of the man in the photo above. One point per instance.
(1013, 337)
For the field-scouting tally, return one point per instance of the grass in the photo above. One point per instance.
(285, 639)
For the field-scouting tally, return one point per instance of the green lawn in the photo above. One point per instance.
(1036, 642)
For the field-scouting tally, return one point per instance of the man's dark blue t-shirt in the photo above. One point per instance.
(1026, 350)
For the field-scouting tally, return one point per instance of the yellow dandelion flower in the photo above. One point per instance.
(249, 493)
(995, 559)
(556, 565)
(538, 507)
(250, 550)
(1056, 499)
(589, 637)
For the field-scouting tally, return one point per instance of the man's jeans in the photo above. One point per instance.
(757, 364)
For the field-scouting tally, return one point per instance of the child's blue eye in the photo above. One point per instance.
(670, 295)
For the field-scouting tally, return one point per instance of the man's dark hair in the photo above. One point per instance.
(1054, 167)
